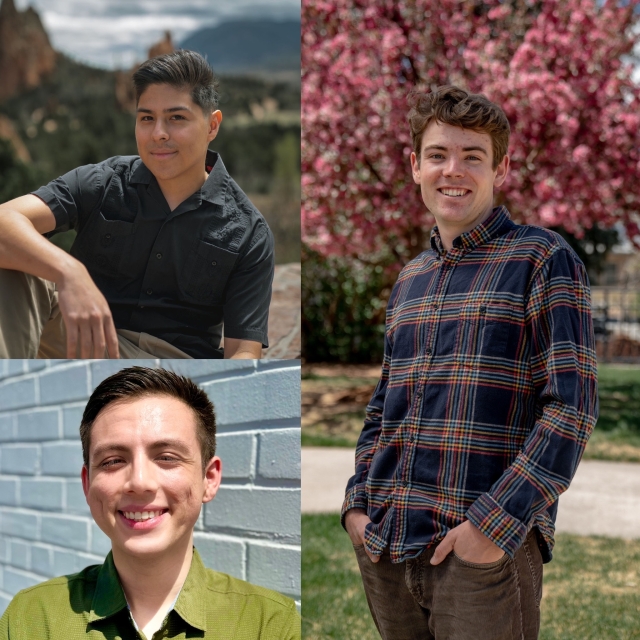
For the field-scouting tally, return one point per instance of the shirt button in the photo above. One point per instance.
(405, 483)
(412, 438)
(419, 393)
(428, 352)
(214, 263)
(149, 291)
(108, 236)
(483, 309)
(141, 306)
(158, 255)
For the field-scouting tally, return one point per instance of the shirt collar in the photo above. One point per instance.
(214, 188)
(109, 597)
(495, 225)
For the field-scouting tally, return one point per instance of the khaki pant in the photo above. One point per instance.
(456, 599)
(31, 325)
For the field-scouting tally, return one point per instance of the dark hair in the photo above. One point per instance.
(457, 107)
(180, 69)
(136, 382)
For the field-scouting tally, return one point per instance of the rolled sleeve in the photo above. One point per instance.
(248, 291)
(563, 367)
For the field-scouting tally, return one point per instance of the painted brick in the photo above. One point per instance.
(4, 600)
(4, 549)
(20, 459)
(221, 554)
(66, 531)
(42, 560)
(16, 367)
(71, 418)
(42, 493)
(100, 544)
(39, 425)
(7, 428)
(64, 562)
(236, 452)
(16, 394)
(20, 525)
(76, 502)
(62, 459)
(1, 578)
(275, 567)
(270, 395)
(9, 492)
(15, 580)
(279, 454)
(19, 554)
(86, 560)
(64, 385)
(211, 368)
(264, 510)
(36, 365)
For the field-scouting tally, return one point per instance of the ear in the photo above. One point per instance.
(214, 124)
(212, 479)
(84, 475)
(415, 167)
(501, 172)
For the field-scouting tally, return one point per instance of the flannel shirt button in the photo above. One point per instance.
(404, 483)
(419, 393)
(483, 309)
(428, 352)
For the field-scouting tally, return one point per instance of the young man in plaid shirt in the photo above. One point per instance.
(487, 397)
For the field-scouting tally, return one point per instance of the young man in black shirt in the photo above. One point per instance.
(169, 249)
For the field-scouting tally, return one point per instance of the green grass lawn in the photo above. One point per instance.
(616, 436)
(591, 588)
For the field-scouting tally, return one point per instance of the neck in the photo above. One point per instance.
(150, 584)
(179, 189)
(448, 233)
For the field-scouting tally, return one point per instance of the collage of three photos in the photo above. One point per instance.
(319, 320)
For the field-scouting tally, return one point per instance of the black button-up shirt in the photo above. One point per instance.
(177, 275)
(488, 392)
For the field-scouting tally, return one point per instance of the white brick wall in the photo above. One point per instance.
(250, 530)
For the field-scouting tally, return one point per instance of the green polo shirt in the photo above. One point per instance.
(91, 604)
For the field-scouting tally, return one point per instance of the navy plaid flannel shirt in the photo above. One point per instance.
(488, 392)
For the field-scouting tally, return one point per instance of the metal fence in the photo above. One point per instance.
(616, 322)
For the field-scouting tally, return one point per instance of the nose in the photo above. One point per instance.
(142, 477)
(159, 131)
(453, 167)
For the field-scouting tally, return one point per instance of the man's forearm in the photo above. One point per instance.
(22, 248)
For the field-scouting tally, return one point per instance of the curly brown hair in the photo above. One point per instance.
(451, 105)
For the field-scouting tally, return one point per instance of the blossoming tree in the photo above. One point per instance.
(562, 71)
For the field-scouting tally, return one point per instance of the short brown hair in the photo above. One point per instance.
(451, 105)
(136, 382)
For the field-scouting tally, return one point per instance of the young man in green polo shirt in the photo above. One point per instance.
(148, 439)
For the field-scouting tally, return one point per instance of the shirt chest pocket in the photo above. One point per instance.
(207, 270)
(486, 329)
(103, 245)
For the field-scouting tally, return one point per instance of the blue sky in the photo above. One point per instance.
(117, 33)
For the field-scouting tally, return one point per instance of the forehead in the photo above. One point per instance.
(451, 137)
(144, 420)
(165, 96)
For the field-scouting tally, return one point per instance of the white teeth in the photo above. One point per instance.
(453, 192)
(142, 515)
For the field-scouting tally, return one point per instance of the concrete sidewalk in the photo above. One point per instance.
(603, 499)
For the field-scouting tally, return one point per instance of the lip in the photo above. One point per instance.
(142, 525)
(161, 155)
(469, 192)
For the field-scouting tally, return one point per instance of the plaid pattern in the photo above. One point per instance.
(488, 392)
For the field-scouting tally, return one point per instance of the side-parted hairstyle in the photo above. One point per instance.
(137, 382)
(181, 69)
(451, 105)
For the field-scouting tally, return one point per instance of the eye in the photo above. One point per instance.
(145, 118)
(473, 158)
(177, 117)
(109, 463)
(167, 458)
(436, 156)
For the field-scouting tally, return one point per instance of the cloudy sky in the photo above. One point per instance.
(117, 33)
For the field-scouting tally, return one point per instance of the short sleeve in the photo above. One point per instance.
(248, 291)
(74, 196)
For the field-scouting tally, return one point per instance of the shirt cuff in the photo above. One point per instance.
(355, 498)
(499, 526)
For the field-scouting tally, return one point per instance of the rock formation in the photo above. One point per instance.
(125, 94)
(26, 55)
(8, 131)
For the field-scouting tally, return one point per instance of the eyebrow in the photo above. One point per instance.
(441, 148)
(159, 444)
(169, 110)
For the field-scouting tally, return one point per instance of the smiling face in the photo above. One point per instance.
(145, 486)
(456, 177)
(173, 133)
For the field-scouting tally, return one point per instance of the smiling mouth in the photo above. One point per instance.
(454, 193)
(142, 519)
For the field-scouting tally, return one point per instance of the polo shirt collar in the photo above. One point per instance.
(498, 223)
(214, 188)
(109, 597)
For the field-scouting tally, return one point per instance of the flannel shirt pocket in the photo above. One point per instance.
(484, 329)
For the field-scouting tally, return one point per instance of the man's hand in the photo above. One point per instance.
(355, 520)
(469, 543)
(86, 316)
